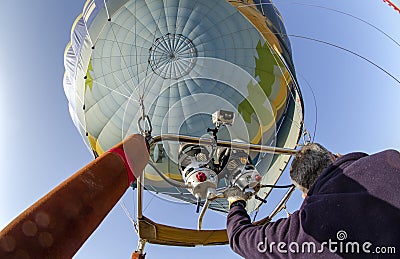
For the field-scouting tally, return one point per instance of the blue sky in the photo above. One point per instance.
(357, 106)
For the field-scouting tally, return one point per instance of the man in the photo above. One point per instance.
(351, 209)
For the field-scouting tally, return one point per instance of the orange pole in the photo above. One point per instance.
(58, 224)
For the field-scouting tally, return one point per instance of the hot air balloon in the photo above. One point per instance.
(212, 86)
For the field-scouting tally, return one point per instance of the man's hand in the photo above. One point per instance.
(234, 194)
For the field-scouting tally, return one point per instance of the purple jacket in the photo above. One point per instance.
(352, 211)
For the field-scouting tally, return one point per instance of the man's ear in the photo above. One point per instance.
(304, 195)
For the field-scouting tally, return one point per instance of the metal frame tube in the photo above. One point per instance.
(222, 143)
(139, 197)
(170, 181)
(203, 211)
(281, 205)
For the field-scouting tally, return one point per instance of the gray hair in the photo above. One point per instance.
(308, 164)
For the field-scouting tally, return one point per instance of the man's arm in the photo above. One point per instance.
(58, 224)
(252, 241)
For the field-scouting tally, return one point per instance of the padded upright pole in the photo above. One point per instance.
(58, 224)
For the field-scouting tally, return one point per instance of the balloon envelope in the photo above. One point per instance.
(177, 62)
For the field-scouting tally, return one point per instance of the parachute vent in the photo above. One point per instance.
(172, 56)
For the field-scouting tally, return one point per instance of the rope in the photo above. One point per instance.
(134, 223)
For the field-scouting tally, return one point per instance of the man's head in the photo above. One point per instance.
(308, 164)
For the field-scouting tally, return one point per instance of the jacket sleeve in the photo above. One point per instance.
(262, 241)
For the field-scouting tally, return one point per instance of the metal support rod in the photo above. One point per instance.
(170, 181)
(203, 211)
(281, 205)
(139, 197)
(277, 209)
(222, 143)
(141, 245)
